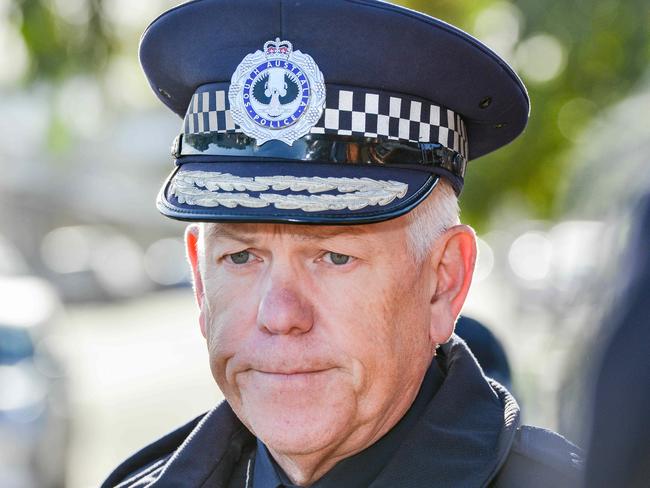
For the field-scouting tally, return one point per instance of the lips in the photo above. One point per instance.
(302, 375)
(291, 379)
(284, 366)
(282, 362)
(290, 372)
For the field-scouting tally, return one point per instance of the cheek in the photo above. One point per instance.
(382, 324)
(379, 305)
(231, 312)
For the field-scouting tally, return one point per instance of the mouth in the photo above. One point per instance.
(291, 378)
(291, 373)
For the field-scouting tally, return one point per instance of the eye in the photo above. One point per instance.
(241, 257)
(337, 258)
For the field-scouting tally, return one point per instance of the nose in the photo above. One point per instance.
(283, 309)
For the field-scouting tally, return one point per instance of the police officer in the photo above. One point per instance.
(323, 147)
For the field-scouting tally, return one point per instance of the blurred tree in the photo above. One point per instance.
(576, 58)
(63, 38)
(604, 47)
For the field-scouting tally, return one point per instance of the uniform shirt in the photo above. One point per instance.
(362, 468)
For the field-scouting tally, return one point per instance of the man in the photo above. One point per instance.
(323, 148)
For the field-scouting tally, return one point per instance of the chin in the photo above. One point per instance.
(299, 421)
(302, 433)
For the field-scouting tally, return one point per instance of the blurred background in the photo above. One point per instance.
(100, 350)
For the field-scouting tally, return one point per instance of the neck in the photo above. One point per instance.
(304, 470)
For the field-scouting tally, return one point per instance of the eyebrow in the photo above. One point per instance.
(247, 232)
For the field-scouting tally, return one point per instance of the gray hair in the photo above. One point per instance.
(424, 224)
(431, 218)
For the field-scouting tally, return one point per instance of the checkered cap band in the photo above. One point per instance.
(349, 112)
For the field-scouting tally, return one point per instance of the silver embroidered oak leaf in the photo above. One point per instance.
(202, 188)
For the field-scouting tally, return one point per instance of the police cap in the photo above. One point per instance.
(322, 111)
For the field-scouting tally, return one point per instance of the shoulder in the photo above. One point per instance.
(541, 458)
(141, 467)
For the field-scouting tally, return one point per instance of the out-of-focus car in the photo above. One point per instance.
(33, 401)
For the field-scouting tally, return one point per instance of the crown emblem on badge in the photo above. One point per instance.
(277, 93)
(278, 48)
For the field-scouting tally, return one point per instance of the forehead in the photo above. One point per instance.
(253, 231)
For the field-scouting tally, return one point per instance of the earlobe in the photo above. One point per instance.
(454, 268)
(192, 250)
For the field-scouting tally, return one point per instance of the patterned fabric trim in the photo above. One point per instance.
(350, 113)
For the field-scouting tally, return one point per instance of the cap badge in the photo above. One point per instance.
(277, 93)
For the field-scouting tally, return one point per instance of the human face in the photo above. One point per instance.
(319, 336)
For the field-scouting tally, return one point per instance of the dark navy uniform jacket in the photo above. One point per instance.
(468, 434)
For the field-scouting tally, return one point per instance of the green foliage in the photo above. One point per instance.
(607, 46)
(58, 48)
(59, 138)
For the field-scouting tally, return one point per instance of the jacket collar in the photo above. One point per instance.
(464, 436)
(207, 456)
(462, 439)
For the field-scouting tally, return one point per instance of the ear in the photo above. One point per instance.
(191, 247)
(453, 262)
